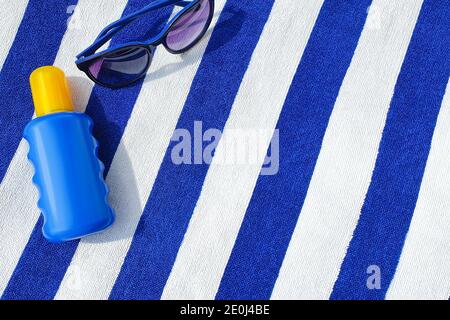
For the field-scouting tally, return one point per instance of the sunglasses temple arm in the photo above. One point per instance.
(101, 40)
(107, 33)
(152, 6)
(183, 3)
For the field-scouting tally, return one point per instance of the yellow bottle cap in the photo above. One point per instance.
(50, 91)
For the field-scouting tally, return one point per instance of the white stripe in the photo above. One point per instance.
(227, 190)
(98, 259)
(424, 268)
(11, 19)
(18, 208)
(347, 158)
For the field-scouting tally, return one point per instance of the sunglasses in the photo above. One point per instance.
(122, 65)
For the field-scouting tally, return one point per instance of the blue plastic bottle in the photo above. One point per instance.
(68, 173)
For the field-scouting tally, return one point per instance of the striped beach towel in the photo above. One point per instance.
(353, 204)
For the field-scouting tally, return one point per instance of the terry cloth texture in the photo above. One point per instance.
(351, 103)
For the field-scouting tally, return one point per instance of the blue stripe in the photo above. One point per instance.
(43, 265)
(403, 152)
(37, 42)
(177, 188)
(277, 200)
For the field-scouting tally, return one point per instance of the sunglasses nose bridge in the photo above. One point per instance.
(151, 48)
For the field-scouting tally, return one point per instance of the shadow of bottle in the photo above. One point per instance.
(121, 180)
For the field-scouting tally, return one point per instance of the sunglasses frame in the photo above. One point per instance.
(85, 58)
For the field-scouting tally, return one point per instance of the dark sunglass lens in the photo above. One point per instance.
(188, 27)
(121, 67)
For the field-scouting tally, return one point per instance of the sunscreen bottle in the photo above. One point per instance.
(68, 173)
